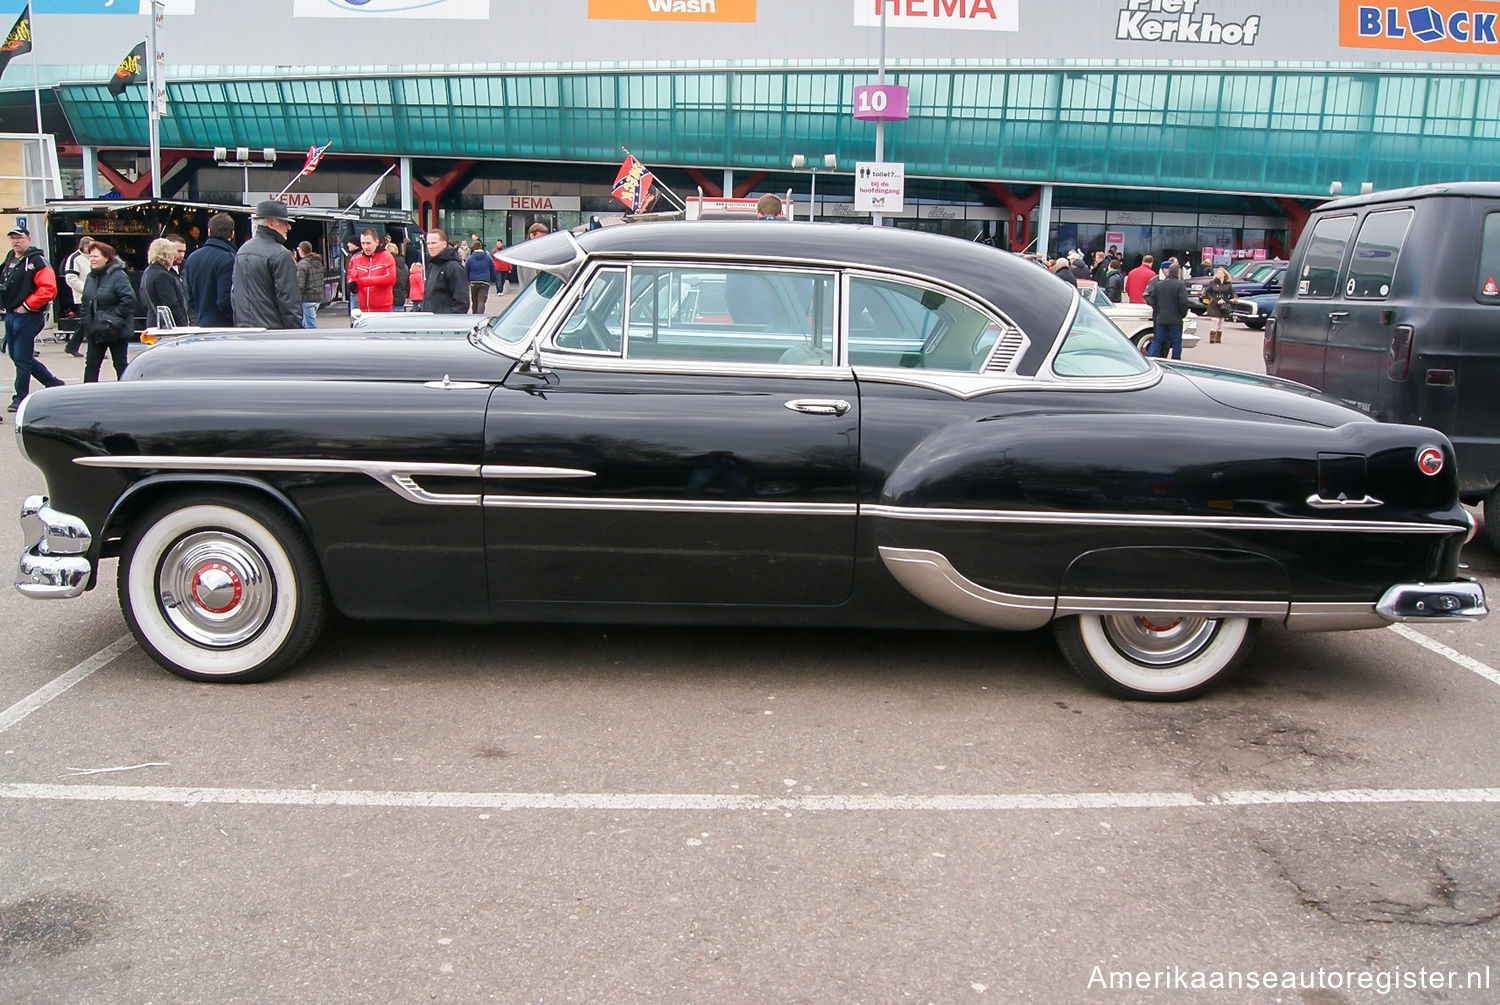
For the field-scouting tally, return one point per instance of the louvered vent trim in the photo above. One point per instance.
(1003, 356)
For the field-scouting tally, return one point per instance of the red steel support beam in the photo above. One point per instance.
(141, 187)
(428, 195)
(1020, 208)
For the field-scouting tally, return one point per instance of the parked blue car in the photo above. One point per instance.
(1258, 296)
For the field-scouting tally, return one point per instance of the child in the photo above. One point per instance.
(414, 288)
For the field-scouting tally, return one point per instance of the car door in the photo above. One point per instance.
(688, 434)
(1308, 318)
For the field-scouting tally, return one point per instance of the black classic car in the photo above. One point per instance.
(740, 423)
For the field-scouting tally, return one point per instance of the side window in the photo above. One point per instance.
(1488, 291)
(893, 324)
(1375, 253)
(693, 314)
(1319, 278)
(594, 324)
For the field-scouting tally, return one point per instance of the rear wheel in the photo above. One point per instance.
(221, 588)
(1142, 340)
(1154, 657)
(1255, 323)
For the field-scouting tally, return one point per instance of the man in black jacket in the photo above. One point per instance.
(1169, 305)
(265, 277)
(447, 281)
(209, 275)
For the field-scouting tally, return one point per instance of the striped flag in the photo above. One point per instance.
(314, 156)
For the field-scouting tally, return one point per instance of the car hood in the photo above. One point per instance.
(1271, 396)
(339, 354)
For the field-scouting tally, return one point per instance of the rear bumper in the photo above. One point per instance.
(53, 564)
(1460, 600)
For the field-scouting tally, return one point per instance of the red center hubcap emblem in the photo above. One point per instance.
(1430, 460)
(217, 588)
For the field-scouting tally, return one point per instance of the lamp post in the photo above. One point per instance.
(830, 161)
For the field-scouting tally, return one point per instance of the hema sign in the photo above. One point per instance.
(966, 15)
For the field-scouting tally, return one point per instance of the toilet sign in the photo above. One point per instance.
(879, 186)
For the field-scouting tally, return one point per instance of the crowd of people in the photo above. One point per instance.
(264, 283)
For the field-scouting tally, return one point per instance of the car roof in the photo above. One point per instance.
(1034, 300)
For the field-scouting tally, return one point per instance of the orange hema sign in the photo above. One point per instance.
(673, 10)
(1466, 26)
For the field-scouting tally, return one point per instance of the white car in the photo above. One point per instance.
(1135, 319)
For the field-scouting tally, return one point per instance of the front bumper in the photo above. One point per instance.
(1461, 600)
(53, 565)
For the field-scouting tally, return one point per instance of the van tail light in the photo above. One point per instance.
(1399, 363)
(1268, 342)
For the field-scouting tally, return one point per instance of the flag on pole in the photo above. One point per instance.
(314, 157)
(129, 71)
(366, 198)
(633, 184)
(18, 42)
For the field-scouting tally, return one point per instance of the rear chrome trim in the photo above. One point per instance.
(1149, 520)
(1276, 609)
(1460, 600)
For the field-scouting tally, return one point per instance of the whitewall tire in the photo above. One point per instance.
(1155, 657)
(221, 588)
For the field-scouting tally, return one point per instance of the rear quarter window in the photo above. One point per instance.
(1373, 266)
(1488, 291)
(1319, 278)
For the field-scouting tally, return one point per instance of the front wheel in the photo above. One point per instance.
(221, 588)
(1154, 657)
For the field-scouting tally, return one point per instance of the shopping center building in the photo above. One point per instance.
(1163, 124)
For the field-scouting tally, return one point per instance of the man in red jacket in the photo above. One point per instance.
(1137, 278)
(373, 273)
(27, 286)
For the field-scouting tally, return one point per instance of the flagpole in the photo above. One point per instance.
(151, 123)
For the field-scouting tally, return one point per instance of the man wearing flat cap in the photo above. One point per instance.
(27, 286)
(264, 292)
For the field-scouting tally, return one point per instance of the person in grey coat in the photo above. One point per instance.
(1169, 302)
(265, 277)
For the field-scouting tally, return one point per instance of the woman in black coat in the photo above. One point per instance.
(161, 287)
(1219, 295)
(107, 316)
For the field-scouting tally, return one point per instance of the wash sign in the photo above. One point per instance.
(1450, 26)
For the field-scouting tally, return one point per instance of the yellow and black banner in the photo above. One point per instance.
(129, 71)
(18, 41)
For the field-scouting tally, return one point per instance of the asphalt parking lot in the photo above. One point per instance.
(574, 814)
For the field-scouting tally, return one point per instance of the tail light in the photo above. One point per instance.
(1399, 364)
(1268, 342)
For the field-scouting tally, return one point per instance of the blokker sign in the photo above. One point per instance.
(1182, 21)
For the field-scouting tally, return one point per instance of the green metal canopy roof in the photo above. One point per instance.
(1254, 130)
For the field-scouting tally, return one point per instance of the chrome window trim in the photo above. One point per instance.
(974, 385)
(575, 294)
(614, 364)
(984, 307)
(1144, 520)
(1046, 375)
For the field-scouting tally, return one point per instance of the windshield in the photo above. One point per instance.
(1094, 347)
(509, 328)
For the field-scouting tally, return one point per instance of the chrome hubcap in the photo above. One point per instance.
(1158, 640)
(215, 589)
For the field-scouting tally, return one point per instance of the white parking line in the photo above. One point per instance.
(1453, 655)
(47, 692)
(691, 802)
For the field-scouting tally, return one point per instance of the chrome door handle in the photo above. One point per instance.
(819, 406)
(1342, 502)
(1337, 315)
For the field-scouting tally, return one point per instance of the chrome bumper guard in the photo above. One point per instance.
(1462, 600)
(52, 566)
